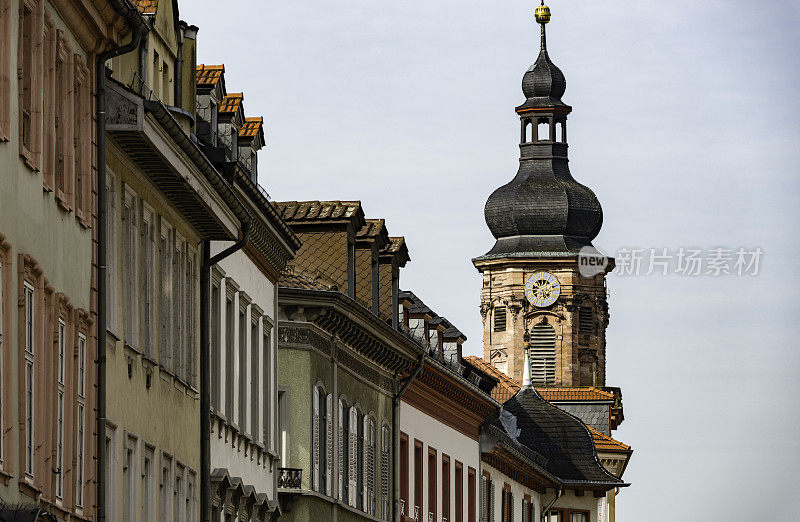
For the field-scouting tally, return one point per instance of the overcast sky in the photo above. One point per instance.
(684, 124)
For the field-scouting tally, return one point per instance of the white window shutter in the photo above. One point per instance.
(341, 450)
(510, 506)
(315, 437)
(364, 460)
(484, 500)
(328, 444)
(352, 466)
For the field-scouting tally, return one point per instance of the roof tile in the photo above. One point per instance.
(603, 442)
(251, 127)
(209, 74)
(146, 6)
(232, 102)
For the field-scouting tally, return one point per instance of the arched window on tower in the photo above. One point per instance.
(543, 355)
(527, 131)
(560, 136)
(543, 130)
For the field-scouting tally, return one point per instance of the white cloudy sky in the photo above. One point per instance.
(685, 125)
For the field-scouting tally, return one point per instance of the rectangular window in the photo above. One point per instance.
(147, 266)
(499, 319)
(29, 82)
(148, 480)
(459, 492)
(266, 330)
(230, 334)
(178, 307)
(216, 369)
(191, 481)
(418, 481)
(191, 315)
(48, 118)
(81, 420)
(165, 299)
(242, 395)
(386, 445)
(5, 64)
(60, 386)
(586, 319)
(253, 374)
(130, 242)
(29, 378)
(445, 487)
(404, 474)
(111, 463)
(471, 496)
(432, 484)
(178, 495)
(111, 252)
(165, 487)
(64, 145)
(129, 479)
(82, 146)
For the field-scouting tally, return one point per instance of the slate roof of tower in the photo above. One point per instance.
(560, 438)
(209, 74)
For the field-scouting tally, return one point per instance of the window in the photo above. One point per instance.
(417, 478)
(190, 313)
(543, 130)
(64, 145)
(129, 479)
(82, 147)
(471, 487)
(386, 444)
(255, 362)
(353, 457)
(358, 459)
(165, 299)
(543, 354)
(111, 465)
(165, 84)
(507, 504)
(191, 481)
(111, 252)
(459, 492)
(487, 498)
(432, 484)
(164, 487)
(5, 64)
(49, 116)
(417, 327)
(130, 283)
(318, 437)
(500, 319)
(230, 331)
(216, 355)
(148, 481)
(3, 20)
(178, 307)
(178, 495)
(586, 319)
(344, 479)
(283, 427)
(242, 373)
(81, 420)
(266, 331)
(29, 377)
(328, 460)
(28, 70)
(156, 70)
(445, 487)
(404, 474)
(60, 386)
(369, 465)
(147, 277)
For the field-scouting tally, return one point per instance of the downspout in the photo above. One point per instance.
(135, 20)
(178, 94)
(396, 437)
(205, 366)
(559, 492)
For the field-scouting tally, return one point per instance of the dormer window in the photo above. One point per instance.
(214, 120)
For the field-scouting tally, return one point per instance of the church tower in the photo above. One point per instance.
(534, 294)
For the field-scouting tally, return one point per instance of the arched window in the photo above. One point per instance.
(543, 354)
(543, 130)
(560, 134)
(352, 456)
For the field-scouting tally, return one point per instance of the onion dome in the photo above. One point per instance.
(543, 211)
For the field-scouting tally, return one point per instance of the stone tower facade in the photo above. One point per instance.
(535, 299)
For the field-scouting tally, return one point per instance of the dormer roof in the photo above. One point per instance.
(232, 103)
(210, 75)
(146, 6)
(312, 212)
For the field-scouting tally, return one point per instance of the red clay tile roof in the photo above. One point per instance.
(575, 394)
(232, 102)
(209, 74)
(295, 211)
(603, 442)
(146, 6)
(505, 389)
(251, 127)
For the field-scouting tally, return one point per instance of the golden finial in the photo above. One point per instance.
(542, 14)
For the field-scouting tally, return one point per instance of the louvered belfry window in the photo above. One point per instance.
(586, 320)
(500, 319)
(543, 354)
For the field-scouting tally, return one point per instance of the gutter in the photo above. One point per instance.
(559, 492)
(140, 28)
(205, 365)
(396, 436)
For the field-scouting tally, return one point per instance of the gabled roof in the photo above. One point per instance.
(146, 6)
(320, 211)
(605, 443)
(397, 248)
(252, 127)
(210, 75)
(506, 387)
(232, 102)
(591, 393)
(290, 278)
(561, 439)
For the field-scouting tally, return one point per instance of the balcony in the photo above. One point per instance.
(289, 478)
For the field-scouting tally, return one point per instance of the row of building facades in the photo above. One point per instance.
(254, 359)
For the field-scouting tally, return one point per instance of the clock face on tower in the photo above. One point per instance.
(542, 289)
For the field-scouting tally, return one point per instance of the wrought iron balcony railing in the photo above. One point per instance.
(290, 478)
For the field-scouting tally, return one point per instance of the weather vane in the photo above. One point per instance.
(542, 17)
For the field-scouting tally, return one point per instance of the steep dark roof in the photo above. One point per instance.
(560, 438)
